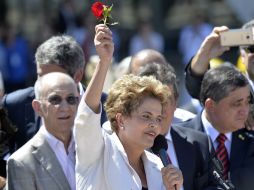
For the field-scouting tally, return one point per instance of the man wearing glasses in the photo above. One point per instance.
(59, 53)
(47, 161)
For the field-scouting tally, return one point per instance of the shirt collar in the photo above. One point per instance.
(54, 142)
(81, 89)
(168, 135)
(211, 131)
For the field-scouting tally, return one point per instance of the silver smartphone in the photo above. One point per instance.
(237, 37)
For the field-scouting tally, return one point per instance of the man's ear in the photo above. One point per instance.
(78, 75)
(36, 104)
(209, 104)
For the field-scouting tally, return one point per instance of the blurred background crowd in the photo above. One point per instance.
(175, 28)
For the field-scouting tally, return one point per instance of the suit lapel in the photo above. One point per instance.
(238, 149)
(46, 157)
(153, 173)
(184, 153)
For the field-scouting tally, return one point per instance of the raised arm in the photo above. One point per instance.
(87, 127)
(210, 48)
(105, 48)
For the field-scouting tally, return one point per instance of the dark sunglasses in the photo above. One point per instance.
(56, 100)
(249, 49)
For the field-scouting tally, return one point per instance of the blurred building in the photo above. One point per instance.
(37, 20)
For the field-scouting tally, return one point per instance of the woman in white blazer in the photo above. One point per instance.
(134, 108)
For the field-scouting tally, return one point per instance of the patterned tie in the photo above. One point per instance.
(222, 154)
(168, 158)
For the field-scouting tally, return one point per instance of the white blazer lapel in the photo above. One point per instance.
(153, 166)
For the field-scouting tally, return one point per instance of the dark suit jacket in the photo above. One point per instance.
(192, 82)
(241, 155)
(19, 107)
(193, 155)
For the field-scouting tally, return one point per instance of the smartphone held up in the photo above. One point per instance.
(237, 37)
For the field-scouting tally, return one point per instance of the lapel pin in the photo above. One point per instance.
(240, 136)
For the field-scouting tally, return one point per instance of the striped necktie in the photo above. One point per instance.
(222, 154)
(168, 158)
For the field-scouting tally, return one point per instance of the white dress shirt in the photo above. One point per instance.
(66, 160)
(171, 152)
(213, 134)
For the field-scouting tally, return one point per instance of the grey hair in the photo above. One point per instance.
(220, 81)
(63, 51)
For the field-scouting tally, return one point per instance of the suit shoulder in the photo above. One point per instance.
(23, 153)
(19, 96)
(244, 135)
(194, 123)
(192, 134)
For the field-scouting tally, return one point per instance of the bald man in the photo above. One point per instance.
(47, 161)
(144, 57)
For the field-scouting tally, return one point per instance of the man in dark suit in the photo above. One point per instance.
(188, 149)
(225, 95)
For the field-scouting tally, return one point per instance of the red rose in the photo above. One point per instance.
(97, 9)
(103, 13)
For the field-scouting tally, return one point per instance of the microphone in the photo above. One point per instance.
(227, 185)
(159, 148)
(217, 173)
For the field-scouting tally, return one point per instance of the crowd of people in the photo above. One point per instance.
(65, 135)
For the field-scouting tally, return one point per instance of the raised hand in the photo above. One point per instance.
(104, 45)
(210, 48)
(103, 42)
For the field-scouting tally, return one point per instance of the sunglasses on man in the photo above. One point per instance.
(57, 100)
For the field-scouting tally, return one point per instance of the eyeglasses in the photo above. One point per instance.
(249, 49)
(56, 100)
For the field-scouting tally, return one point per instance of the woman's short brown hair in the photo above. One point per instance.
(128, 92)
